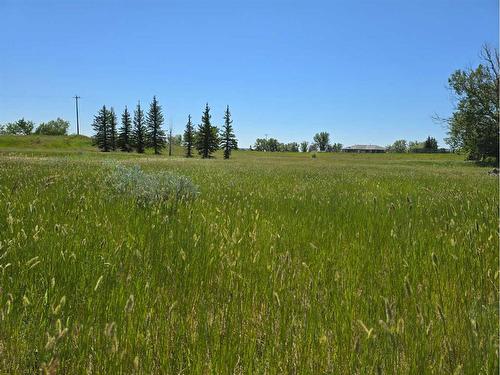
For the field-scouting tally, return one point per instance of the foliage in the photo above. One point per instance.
(125, 134)
(260, 144)
(148, 188)
(139, 132)
(19, 127)
(335, 147)
(399, 146)
(273, 145)
(206, 140)
(303, 146)
(431, 144)
(102, 130)
(474, 126)
(156, 135)
(112, 130)
(264, 144)
(176, 140)
(291, 147)
(415, 146)
(228, 140)
(313, 147)
(53, 127)
(322, 139)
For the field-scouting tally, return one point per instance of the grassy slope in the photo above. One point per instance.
(284, 264)
(45, 142)
(48, 145)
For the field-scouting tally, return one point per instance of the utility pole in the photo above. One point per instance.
(77, 120)
(170, 138)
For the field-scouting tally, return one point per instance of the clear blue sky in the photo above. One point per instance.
(365, 71)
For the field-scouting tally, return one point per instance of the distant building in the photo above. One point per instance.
(364, 148)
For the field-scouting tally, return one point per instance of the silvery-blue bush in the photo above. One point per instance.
(149, 188)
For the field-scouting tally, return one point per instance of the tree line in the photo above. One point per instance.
(142, 131)
(473, 128)
(321, 142)
(430, 145)
(25, 127)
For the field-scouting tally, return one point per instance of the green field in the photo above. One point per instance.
(284, 263)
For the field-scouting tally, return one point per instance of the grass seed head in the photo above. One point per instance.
(98, 282)
(129, 306)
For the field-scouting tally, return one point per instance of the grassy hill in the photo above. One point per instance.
(69, 144)
(46, 143)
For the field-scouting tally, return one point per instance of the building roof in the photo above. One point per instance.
(364, 147)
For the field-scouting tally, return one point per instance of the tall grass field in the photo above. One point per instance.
(262, 264)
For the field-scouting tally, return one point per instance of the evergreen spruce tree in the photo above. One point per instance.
(189, 138)
(125, 134)
(156, 136)
(228, 139)
(112, 129)
(431, 144)
(101, 129)
(139, 133)
(207, 140)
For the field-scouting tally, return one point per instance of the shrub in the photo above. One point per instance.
(20, 127)
(149, 188)
(53, 127)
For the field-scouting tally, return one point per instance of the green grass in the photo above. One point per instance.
(46, 142)
(46, 145)
(283, 264)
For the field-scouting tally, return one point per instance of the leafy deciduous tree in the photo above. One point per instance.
(415, 146)
(19, 127)
(53, 127)
(260, 144)
(336, 147)
(313, 147)
(474, 126)
(292, 147)
(322, 139)
(399, 146)
(303, 146)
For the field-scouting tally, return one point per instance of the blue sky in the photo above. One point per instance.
(365, 71)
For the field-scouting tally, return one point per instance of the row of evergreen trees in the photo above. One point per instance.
(146, 131)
